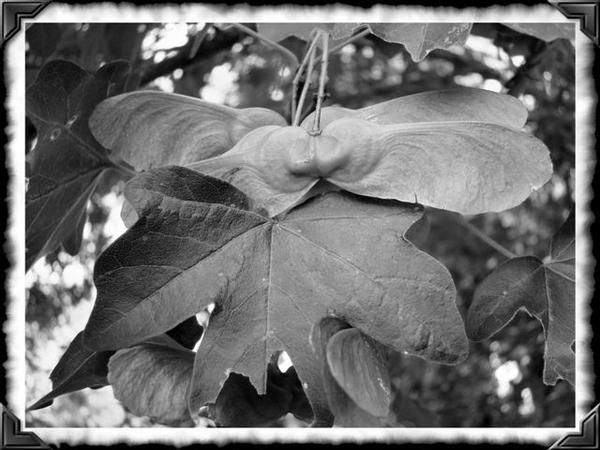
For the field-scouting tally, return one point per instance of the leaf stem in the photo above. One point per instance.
(316, 128)
(298, 75)
(488, 240)
(267, 41)
(121, 167)
(311, 62)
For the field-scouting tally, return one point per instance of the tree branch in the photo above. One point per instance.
(210, 46)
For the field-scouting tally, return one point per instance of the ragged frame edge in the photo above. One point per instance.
(107, 12)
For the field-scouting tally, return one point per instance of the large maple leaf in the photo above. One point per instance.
(200, 241)
(544, 289)
(67, 162)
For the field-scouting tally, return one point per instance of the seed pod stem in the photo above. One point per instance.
(316, 129)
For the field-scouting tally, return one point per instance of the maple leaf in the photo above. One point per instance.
(457, 150)
(77, 369)
(67, 162)
(200, 241)
(544, 289)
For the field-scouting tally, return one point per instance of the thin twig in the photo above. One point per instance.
(267, 41)
(309, 70)
(488, 240)
(299, 73)
(316, 129)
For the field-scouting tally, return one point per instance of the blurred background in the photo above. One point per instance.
(500, 384)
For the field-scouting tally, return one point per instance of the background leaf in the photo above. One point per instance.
(547, 31)
(345, 411)
(545, 290)
(421, 38)
(359, 369)
(408, 412)
(279, 31)
(67, 162)
(43, 38)
(418, 38)
(403, 411)
(152, 379)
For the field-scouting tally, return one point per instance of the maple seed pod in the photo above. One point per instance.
(316, 156)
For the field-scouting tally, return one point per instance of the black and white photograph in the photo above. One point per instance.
(299, 224)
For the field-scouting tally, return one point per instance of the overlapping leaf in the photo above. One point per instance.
(459, 151)
(359, 368)
(67, 162)
(355, 378)
(200, 241)
(345, 411)
(152, 379)
(149, 129)
(78, 368)
(361, 396)
(545, 290)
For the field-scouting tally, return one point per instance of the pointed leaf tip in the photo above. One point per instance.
(78, 368)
